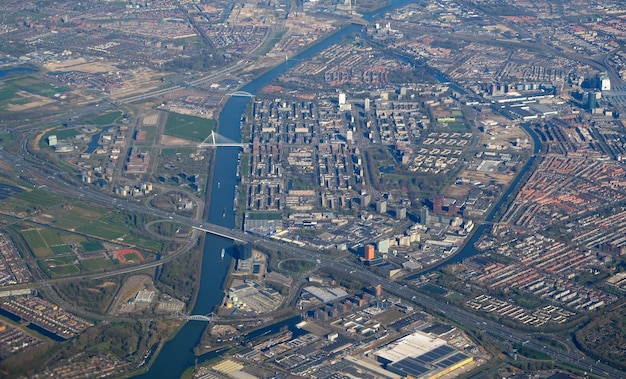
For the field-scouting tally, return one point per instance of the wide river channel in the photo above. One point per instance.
(177, 354)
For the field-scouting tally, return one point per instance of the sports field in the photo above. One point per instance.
(188, 127)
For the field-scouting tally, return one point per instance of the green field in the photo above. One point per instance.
(39, 197)
(7, 93)
(106, 118)
(173, 152)
(103, 229)
(63, 270)
(92, 245)
(269, 44)
(60, 261)
(96, 264)
(457, 114)
(10, 88)
(51, 237)
(73, 238)
(62, 135)
(297, 265)
(61, 249)
(264, 216)
(6, 139)
(131, 257)
(78, 216)
(150, 134)
(454, 127)
(434, 289)
(144, 243)
(33, 238)
(42, 252)
(531, 353)
(188, 127)
(33, 85)
(553, 343)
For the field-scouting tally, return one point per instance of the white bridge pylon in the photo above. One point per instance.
(211, 141)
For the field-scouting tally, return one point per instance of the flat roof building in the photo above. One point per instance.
(368, 252)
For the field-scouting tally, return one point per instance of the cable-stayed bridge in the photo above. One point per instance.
(218, 140)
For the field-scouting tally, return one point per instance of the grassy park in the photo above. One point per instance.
(188, 127)
(106, 118)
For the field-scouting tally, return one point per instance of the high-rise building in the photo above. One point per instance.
(368, 252)
(365, 199)
(438, 202)
(342, 98)
(424, 215)
(592, 101)
(244, 251)
(381, 206)
(400, 213)
(383, 246)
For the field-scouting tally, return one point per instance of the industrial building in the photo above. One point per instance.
(325, 295)
(421, 356)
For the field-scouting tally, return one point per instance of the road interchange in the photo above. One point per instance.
(40, 173)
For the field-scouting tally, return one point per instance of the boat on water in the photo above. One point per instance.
(224, 212)
(219, 184)
(223, 251)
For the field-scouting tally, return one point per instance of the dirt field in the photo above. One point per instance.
(222, 330)
(456, 191)
(141, 81)
(151, 120)
(174, 141)
(502, 136)
(485, 177)
(129, 290)
(80, 64)
(205, 113)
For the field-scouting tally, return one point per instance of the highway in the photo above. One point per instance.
(55, 183)
(41, 173)
(466, 319)
(194, 83)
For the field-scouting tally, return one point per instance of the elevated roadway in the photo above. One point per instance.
(55, 183)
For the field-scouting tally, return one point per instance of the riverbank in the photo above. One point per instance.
(177, 355)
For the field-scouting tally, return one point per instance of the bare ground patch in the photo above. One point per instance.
(34, 101)
(128, 291)
(485, 177)
(151, 119)
(174, 141)
(80, 64)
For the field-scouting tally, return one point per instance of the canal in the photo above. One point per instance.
(468, 248)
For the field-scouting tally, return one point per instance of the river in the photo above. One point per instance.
(177, 354)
